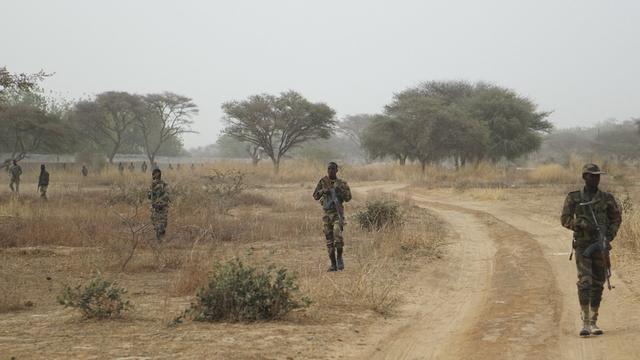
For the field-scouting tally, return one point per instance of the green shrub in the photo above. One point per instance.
(238, 292)
(379, 214)
(98, 299)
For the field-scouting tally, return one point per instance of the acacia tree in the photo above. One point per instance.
(108, 120)
(32, 123)
(383, 137)
(277, 124)
(515, 125)
(164, 118)
(353, 126)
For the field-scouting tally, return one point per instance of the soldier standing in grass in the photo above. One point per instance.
(159, 196)
(120, 168)
(143, 167)
(332, 193)
(43, 182)
(591, 267)
(14, 172)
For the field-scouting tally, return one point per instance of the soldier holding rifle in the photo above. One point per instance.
(595, 217)
(332, 193)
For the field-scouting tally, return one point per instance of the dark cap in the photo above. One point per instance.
(332, 163)
(592, 169)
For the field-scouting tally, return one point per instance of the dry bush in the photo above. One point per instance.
(192, 275)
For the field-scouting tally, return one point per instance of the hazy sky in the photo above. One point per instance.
(579, 58)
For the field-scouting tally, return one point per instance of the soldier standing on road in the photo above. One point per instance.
(43, 182)
(159, 196)
(332, 229)
(591, 268)
(14, 172)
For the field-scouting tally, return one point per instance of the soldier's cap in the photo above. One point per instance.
(592, 169)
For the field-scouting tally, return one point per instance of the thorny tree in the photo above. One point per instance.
(165, 117)
(277, 124)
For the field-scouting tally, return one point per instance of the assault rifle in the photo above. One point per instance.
(601, 245)
(333, 200)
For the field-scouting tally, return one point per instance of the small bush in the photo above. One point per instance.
(379, 214)
(238, 292)
(98, 299)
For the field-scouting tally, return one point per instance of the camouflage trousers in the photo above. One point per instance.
(43, 191)
(332, 231)
(159, 219)
(15, 182)
(591, 278)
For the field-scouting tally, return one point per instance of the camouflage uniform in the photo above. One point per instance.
(332, 232)
(43, 183)
(15, 171)
(159, 196)
(591, 269)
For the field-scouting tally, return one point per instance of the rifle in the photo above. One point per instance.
(602, 244)
(333, 200)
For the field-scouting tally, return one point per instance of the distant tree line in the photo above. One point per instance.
(109, 123)
(610, 139)
(433, 122)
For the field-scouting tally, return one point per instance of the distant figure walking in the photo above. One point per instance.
(43, 182)
(159, 196)
(120, 168)
(143, 167)
(15, 171)
(84, 171)
(132, 167)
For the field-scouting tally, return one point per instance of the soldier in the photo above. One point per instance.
(143, 167)
(84, 171)
(591, 267)
(43, 182)
(158, 194)
(15, 171)
(132, 167)
(333, 213)
(120, 168)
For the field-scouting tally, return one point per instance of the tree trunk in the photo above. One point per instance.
(456, 159)
(254, 161)
(423, 166)
(276, 165)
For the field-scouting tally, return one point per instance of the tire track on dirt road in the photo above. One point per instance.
(497, 298)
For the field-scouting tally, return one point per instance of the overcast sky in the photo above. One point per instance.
(580, 59)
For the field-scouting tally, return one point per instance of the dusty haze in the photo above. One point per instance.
(579, 59)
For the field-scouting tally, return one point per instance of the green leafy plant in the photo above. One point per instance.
(239, 292)
(379, 214)
(99, 298)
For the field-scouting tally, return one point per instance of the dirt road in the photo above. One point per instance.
(505, 291)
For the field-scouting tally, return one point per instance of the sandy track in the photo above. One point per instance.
(505, 291)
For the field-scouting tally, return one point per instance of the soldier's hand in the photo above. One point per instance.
(583, 224)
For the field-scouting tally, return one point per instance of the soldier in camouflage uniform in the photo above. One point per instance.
(332, 230)
(43, 182)
(591, 269)
(159, 196)
(14, 172)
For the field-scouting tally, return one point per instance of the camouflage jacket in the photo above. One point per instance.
(158, 194)
(579, 219)
(43, 179)
(15, 171)
(343, 192)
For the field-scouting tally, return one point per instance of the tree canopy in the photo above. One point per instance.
(277, 124)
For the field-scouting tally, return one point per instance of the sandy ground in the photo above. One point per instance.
(504, 290)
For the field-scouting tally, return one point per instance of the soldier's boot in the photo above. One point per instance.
(339, 260)
(586, 322)
(595, 330)
(332, 257)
